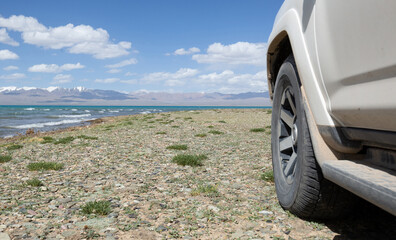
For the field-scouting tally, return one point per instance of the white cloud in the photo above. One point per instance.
(14, 76)
(53, 68)
(10, 68)
(107, 80)
(230, 82)
(131, 81)
(182, 51)
(22, 24)
(7, 54)
(123, 63)
(174, 83)
(182, 73)
(130, 74)
(243, 53)
(114, 70)
(62, 78)
(5, 38)
(81, 39)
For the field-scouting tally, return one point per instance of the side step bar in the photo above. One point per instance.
(375, 184)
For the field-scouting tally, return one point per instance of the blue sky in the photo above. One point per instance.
(125, 45)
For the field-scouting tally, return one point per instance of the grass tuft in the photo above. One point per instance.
(48, 140)
(207, 190)
(201, 135)
(5, 158)
(211, 126)
(35, 182)
(215, 132)
(14, 147)
(222, 121)
(257, 130)
(97, 207)
(177, 147)
(189, 160)
(160, 133)
(87, 137)
(64, 140)
(40, 166)
(268, 176)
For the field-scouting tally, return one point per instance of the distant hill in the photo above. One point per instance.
(84, 96)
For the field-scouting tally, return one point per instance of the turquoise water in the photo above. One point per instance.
(17, 119)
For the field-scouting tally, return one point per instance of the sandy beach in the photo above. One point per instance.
(118, 179)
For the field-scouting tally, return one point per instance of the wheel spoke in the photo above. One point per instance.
(285, 143)
(290, 164)
(287, 118)
(291, 103)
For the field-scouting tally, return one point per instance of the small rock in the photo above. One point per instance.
(4, 236)
(64, 200)
(43, 188)
(237, 234)
(2, 227)
(31, 212)
(214, 208)
(53, 207)
(264, 212)
(161, 228)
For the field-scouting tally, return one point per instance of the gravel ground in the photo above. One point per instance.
(125, 164)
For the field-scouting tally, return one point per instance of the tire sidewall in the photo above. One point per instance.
(287, 191)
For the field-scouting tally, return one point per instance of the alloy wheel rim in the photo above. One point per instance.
(288, 134)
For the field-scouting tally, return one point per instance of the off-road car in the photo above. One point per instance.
(331, 69)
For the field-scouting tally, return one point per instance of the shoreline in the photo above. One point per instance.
(129, 164)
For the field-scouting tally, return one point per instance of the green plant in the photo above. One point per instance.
(268, 176)
(87, 137)
(5, 158)
(14, 147)
(222, 121)
(48, 140)
(211, 126)
(160, 133)
(35, 182)
(188, 118)
(201, 135)
(269, 111)
(96, 207)
(177, 147)
(207, 190)
(64, 140)
(215, 132)
(37, 166)
(257, 130)
(176, 126)
(189, 160)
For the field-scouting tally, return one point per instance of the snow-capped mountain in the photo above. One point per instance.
(83, 96)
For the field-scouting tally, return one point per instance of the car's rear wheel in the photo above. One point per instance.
(299, 182)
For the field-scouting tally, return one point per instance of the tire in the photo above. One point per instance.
(299, 182)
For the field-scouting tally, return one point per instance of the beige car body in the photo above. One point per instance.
(345, 54)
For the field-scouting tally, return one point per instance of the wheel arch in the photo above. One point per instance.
(278, 51)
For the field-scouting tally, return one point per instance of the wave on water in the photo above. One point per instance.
(74, 116)
(29, 109)
(47, 124)
(74, 110)
(145, 112)
(114, 111)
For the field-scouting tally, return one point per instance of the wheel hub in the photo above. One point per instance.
(294, 134)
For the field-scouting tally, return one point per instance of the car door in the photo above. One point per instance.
(356, 49)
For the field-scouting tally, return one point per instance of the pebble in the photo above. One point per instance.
(4, 236)
(264, 212)
(2, 227)
(161, 228)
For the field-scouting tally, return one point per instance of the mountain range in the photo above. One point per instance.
(84, 96)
